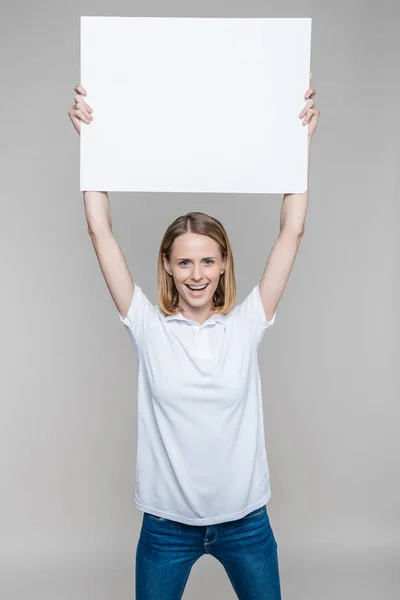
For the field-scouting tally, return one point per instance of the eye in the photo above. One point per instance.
(183, 263)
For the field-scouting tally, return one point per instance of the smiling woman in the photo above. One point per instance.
(201, 458)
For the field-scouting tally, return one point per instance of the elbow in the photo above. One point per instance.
(97, 231)
(293, 232)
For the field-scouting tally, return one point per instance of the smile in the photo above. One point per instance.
(197, 288)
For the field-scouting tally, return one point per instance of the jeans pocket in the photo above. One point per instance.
(155, 517)
(255, 513)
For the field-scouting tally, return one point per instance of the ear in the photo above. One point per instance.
(223, 266)
(166, 264)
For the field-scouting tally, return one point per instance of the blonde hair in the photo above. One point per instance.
(196, 222)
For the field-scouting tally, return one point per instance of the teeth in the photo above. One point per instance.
(201, 287)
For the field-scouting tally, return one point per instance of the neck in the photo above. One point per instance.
(200, 314)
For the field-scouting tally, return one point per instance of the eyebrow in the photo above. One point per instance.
(205, 258)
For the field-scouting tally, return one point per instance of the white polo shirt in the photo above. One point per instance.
(201, 455)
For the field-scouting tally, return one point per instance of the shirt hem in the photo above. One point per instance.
(205, 520)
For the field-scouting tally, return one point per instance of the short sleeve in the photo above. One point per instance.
(141, 315)
(251, 310)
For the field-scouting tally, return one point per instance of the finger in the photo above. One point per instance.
(310, 113)
(81, 115)
(79, 107)
(80, 89)
(308, 105)
(86, 118)
(310, 92)
(78, 98)
(80, 103)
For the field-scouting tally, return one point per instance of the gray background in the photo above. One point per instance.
(68, 524)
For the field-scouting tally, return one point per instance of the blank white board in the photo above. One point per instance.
(195, 104)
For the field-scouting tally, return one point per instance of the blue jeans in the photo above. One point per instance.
(246, 548)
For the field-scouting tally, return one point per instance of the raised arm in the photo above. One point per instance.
(282, 256)
(109, 254)
(292, 226)
(98, 215)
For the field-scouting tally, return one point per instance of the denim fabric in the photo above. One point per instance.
(246, 548)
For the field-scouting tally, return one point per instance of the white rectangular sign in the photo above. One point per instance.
(195, 104)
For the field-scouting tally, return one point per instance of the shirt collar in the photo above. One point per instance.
(217, 318)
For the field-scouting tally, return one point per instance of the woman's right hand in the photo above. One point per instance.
(80, 111)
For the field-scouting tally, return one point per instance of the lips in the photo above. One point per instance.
(196, 288)
(197, 292)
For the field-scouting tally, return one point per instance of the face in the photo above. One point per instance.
(195, 262)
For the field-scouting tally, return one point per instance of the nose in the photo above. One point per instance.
(197, 274)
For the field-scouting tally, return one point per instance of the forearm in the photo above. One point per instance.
(97, 209)
(294, 206)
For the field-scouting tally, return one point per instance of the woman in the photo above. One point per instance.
(202, 474)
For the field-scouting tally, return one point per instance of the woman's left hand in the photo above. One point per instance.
(310, 111)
